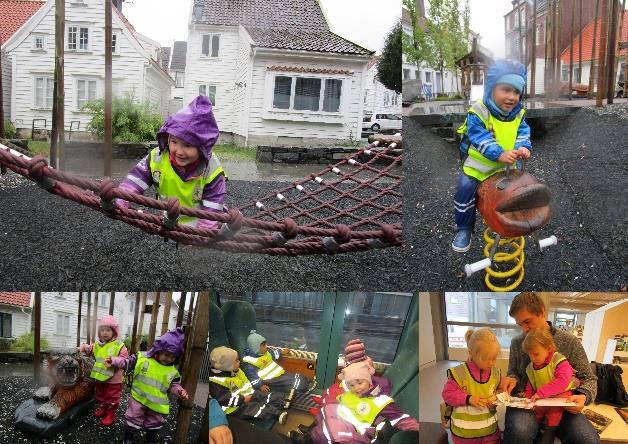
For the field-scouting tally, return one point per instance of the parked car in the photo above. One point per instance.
(383, 122)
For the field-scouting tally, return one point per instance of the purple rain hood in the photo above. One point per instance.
(171, 341)
(194, 124)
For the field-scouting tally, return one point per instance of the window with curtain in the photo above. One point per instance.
(63, 324)
(282, 92)
(211, 45)
(333, 90)
(43, 92)
(5, 324)
(307, 93)
(85, 91)
(209, 91)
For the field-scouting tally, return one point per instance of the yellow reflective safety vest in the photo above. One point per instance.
(268, 368)
(151, 381)
(505, 133)
(474, 422)
(189, 192)
(238, 385)
(361, 412)
(101, 352)
(538, 378)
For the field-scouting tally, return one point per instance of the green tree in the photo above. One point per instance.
(26, 343)
(389, 66)
(417, 47)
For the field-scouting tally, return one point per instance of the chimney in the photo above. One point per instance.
(117, 4)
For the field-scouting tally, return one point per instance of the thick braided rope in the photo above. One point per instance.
(261, 230)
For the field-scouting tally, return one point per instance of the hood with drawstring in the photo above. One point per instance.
(171, 341)
(505, 70)
(194, 124)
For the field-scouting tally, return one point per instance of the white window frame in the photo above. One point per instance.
(48, 79)
(43, 42)
(116, 40)
(179, 79)
(79, 27)
(87, 98)
(102, 300)
(207, 87)
(210, 36)
(66, 316)
(321, 98)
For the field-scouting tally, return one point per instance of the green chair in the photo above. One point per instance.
(217, 332)
(404, 374)
(239, 319)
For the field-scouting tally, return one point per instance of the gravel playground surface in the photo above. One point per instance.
(583, 162)
(14, 390)
(50, 243)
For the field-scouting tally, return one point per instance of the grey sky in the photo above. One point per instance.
(365, 22)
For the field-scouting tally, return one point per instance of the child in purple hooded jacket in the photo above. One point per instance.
(183, 165)
(154, 376)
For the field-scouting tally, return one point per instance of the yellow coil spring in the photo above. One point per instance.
(517, 255)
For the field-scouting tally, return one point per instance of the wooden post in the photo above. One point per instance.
(78, 321)
(580, 46)
(95, 317)
(533, 50)
(612, 50)
(619, 36)
(573, 16)
(89, 318)
(108, 69)
(135, 315)
(602, 55)
(545, 69)
(181, 310)
(559, 10)
(140, 328)
(592, 71)
(112, 298)
(153, 322)
(197, 343)
(57, 136)
(37, 338)
(166, 315)
(191, 308)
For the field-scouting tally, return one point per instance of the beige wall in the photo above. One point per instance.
(614, 324)
(427, 352)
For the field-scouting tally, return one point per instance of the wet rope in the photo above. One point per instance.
(354, 205)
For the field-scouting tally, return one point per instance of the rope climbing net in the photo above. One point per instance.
(353, 205)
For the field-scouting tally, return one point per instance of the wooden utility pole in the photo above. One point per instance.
(592, 70)
(57, 136)
(181, 310)
(135, 315)
(140, 327)
(112, 298)
(78, 321)
(37, 338)
(612, 50)
(573, 16)
(153, 322)
(619, 37)
(579, 79)
(196, 344)
(108, 69)
(166, 316)
(557, 72)
(545, 67)
(191, 308)
(89, 318)
(533, 50)
(602, 57)
(95, 317)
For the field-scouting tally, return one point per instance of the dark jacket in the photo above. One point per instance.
(610, 388)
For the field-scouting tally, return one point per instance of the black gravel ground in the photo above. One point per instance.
(584, 163)
(14, 390)
(49, 243)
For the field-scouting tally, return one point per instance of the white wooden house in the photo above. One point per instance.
(15, 314)
(59, 319)
(29, 53)
(275, 72)
(378, 98)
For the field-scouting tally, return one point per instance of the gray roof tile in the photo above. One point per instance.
(179, 52)
(321, 41)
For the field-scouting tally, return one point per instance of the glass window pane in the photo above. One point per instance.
(72, 37)
(80, 94)
(211, 93)
(39, 92)
(215, 45)
(205, 45)
(5, 324)
(92, 90)
(378, 320)
(202, 90)
(49, 92)
(281, 94)
(307, 94)
(114, 39)
(333, 90)
(83, 41)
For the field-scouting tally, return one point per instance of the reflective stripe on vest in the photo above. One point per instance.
(268, 368)
(190, 193)
(238, 385)
(538, 378)
(151, 381)
(361, 412)
(505, 134)
(473, 422)
(101, 353)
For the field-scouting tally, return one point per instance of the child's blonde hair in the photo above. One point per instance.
(479, 340)
(542, 337)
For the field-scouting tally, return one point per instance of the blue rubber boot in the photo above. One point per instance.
(462, 241)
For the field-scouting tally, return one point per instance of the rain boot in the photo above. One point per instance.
(100, 411)
(109, 418)
(546, 435)
(128, 435)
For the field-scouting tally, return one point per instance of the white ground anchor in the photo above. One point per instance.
(470, 269)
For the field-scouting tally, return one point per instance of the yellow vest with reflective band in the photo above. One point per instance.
(102, 352)
(190, 193)
(361, 412)
(474, 422)
(505, 133)
(151, 381)
(538, 378)
(268, 368)
(238, 384)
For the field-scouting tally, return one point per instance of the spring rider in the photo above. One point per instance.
(513, 204)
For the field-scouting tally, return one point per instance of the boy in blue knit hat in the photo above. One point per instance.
(494, 135)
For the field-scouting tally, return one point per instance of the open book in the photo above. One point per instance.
(524, 403)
